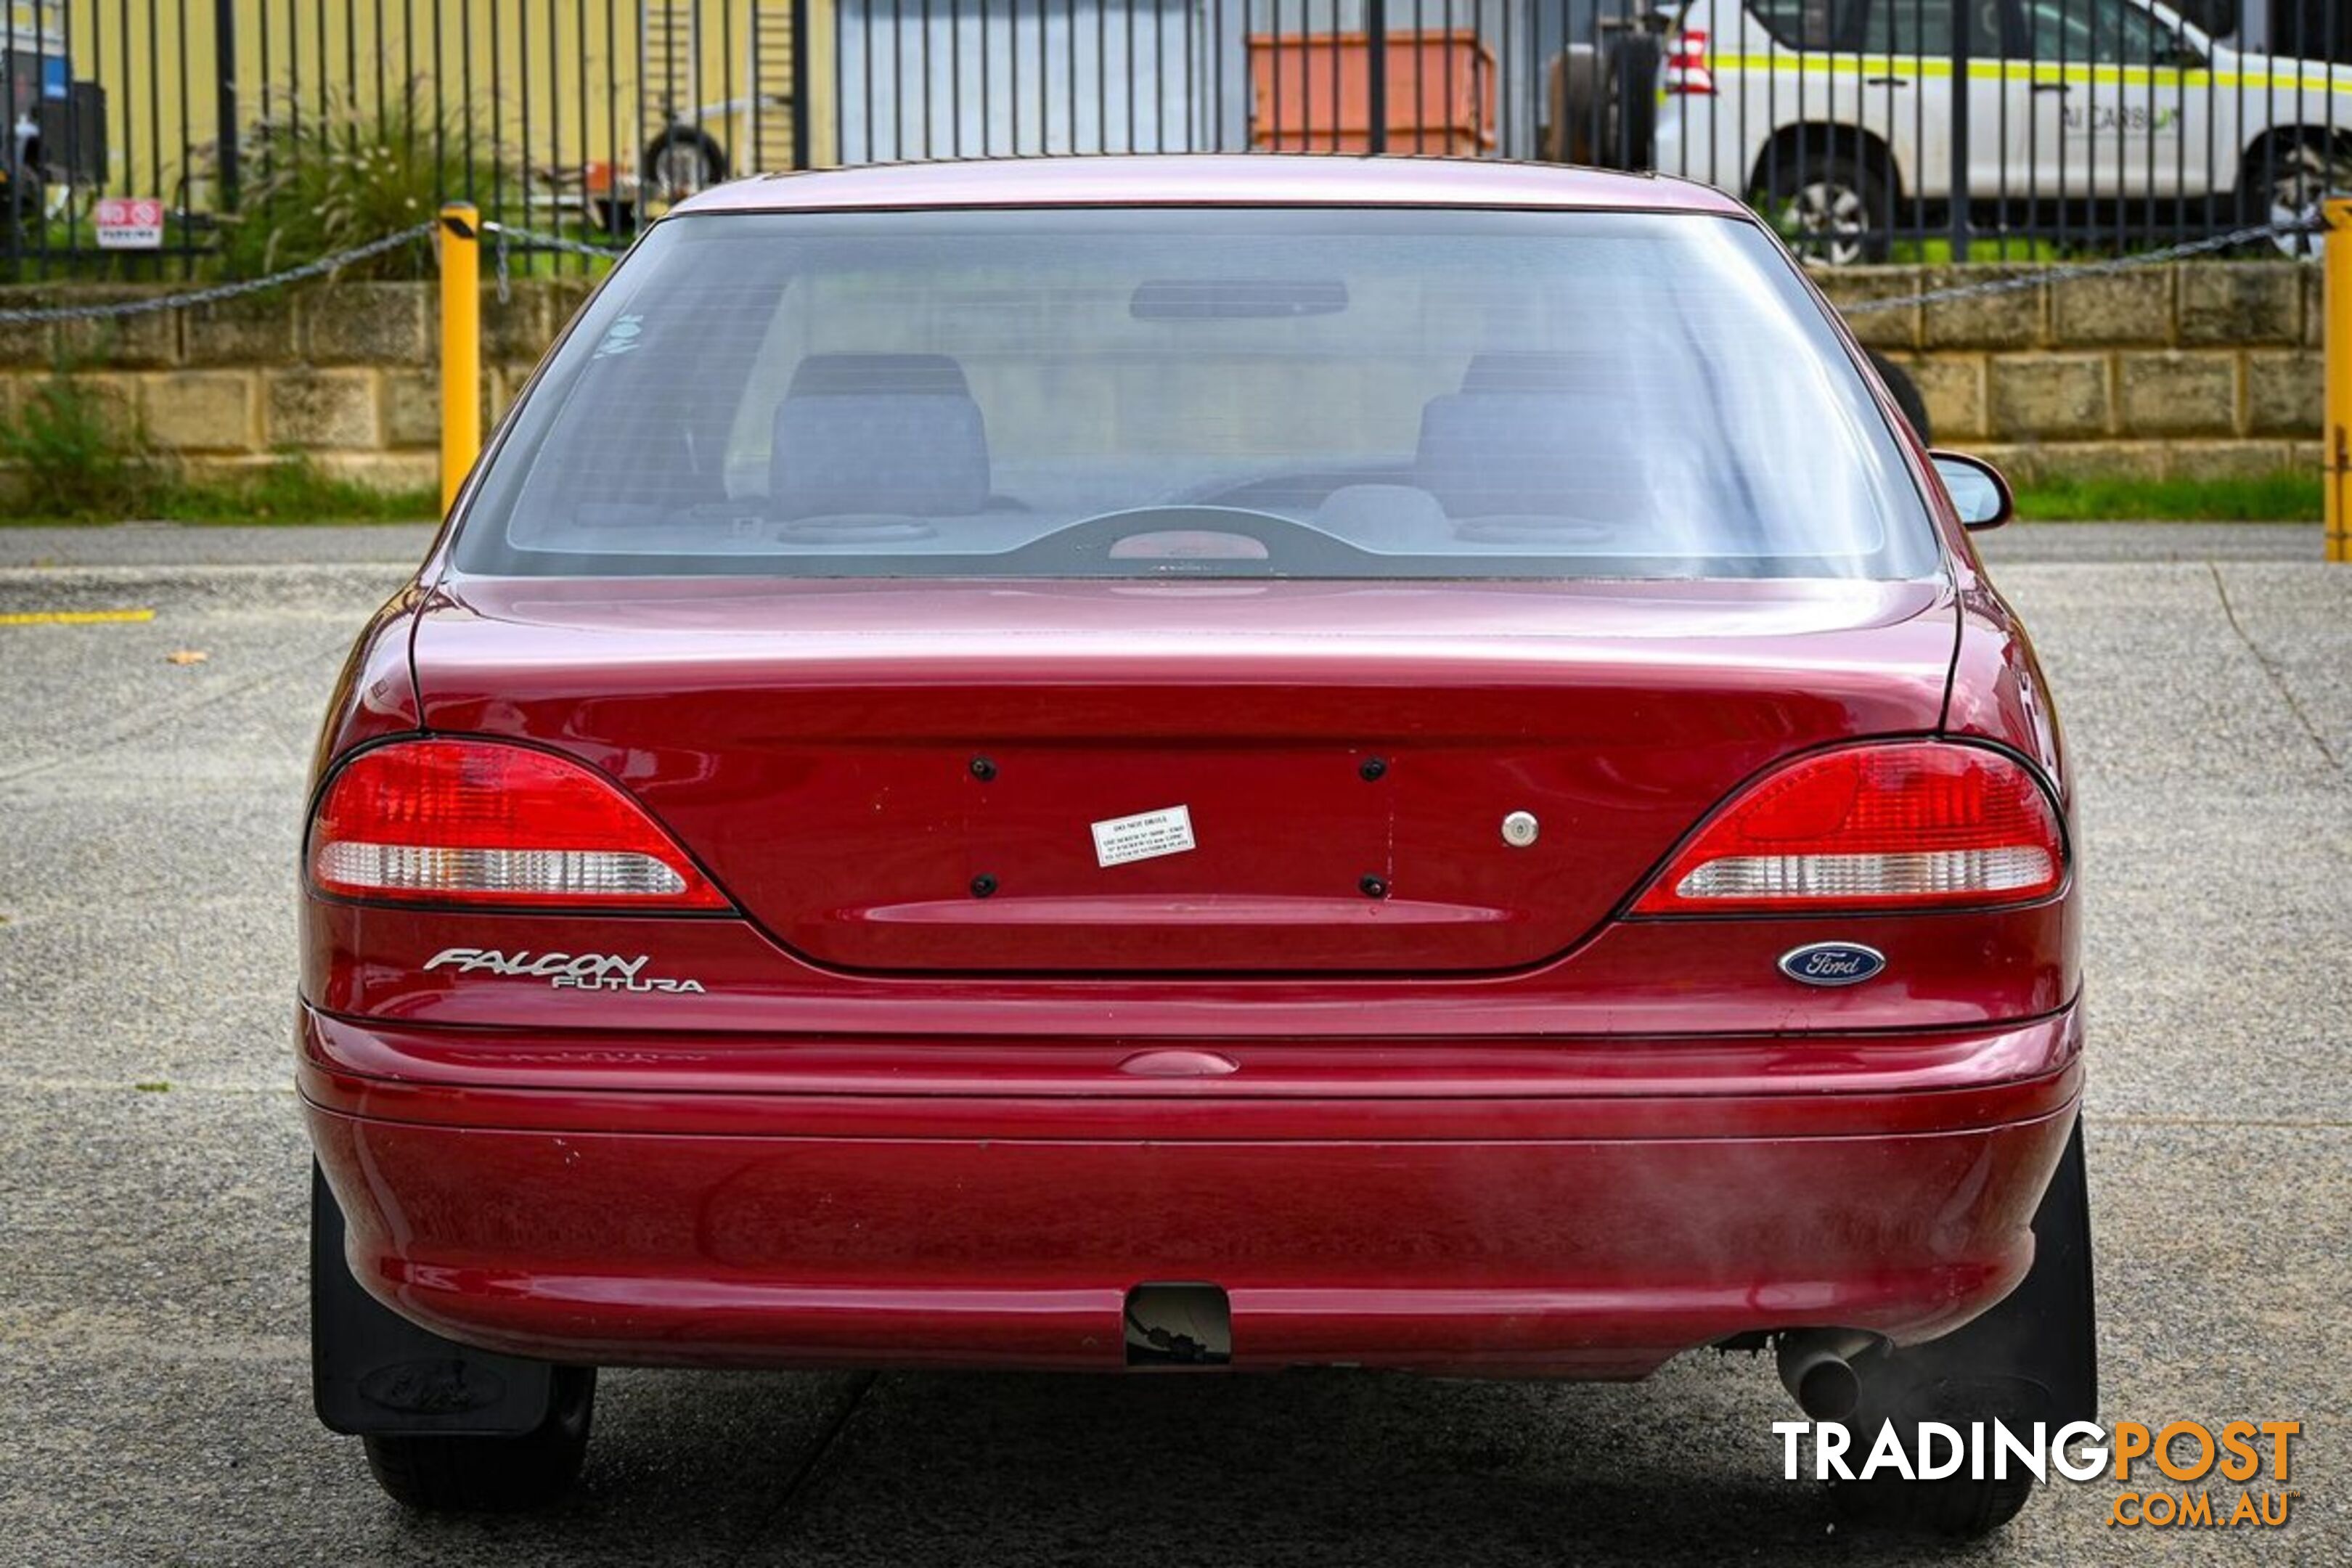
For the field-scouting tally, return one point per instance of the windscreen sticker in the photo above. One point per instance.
(620, 337)
(1143, 836)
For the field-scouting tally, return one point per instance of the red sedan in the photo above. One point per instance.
(1195, 763)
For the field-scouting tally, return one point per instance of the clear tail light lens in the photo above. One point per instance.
(1920, 824)
(1689, 74)
(476, 821)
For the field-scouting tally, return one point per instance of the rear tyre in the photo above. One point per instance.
(464, 1472)
(1906, 394)
(1832, 208)
(2032, 1358)
(1956, 1509)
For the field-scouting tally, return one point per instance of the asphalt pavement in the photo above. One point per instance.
(153, 1379)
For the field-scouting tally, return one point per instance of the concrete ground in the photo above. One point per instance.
(153, 1400)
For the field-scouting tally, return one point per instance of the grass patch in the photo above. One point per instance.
(292, 490)
(2292, 496)
(77, 455)
(1983, 249)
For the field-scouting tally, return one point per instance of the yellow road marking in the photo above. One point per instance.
(70, 617)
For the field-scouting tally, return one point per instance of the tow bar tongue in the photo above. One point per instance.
(1179, 1325)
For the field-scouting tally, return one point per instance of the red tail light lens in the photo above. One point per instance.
(1911, 826)
(1689, 74)
(475, 821)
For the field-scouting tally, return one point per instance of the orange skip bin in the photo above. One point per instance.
(1311, 92)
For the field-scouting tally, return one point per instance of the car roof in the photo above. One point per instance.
(1263, 179)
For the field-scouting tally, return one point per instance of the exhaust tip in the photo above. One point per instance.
(1828, 1391)
(1817, 1368)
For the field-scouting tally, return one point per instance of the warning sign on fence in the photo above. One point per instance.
(129, 223)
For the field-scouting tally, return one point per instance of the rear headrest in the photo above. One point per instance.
(864, 433)
(1573, 371)
(842, 375)
(1484, 454)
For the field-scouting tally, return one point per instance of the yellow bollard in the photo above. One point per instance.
(461, 346)
(2336, 460)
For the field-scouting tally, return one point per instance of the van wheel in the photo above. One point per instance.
(469, 1473)
(2034, 1357)
(2286, 184)
(1828, 209)
(680, 162)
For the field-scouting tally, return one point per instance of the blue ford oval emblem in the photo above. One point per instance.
(433, 1387)
(1831, 964)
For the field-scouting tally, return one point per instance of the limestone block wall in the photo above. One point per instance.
(342, 376)
(2192, 370)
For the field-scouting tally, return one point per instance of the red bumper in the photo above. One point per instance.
(1584, 1207)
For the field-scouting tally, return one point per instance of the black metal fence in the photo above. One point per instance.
(270, 130)
(257, 133)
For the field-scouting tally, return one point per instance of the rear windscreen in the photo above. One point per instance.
(1147, 393)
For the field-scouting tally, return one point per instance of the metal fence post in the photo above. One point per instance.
(2337, 458)
(803, 76)
(224, 98)
(1961, 21)
(461, 345)
(1376, 63)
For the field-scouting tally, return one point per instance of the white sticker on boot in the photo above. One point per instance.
(1143, 836)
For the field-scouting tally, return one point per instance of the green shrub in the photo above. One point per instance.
(318, 181)
(78, 456)
(293, 489)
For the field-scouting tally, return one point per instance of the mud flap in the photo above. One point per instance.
(2032, 1358)
(374, 1373)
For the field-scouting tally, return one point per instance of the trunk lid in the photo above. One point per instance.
(1207, 777)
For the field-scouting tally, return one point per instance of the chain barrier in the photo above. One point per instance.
(217, 293)
(531, 239)
(2035, 280)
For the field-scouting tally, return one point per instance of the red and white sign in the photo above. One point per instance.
(129, 223)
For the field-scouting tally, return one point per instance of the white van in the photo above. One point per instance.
(1841, 115)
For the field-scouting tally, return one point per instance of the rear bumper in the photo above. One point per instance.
(1585, 1208)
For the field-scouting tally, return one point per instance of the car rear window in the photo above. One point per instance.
(1310, 393)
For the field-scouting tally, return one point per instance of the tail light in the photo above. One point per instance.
(1689, 74)
(475, 821)
(1920, 824)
